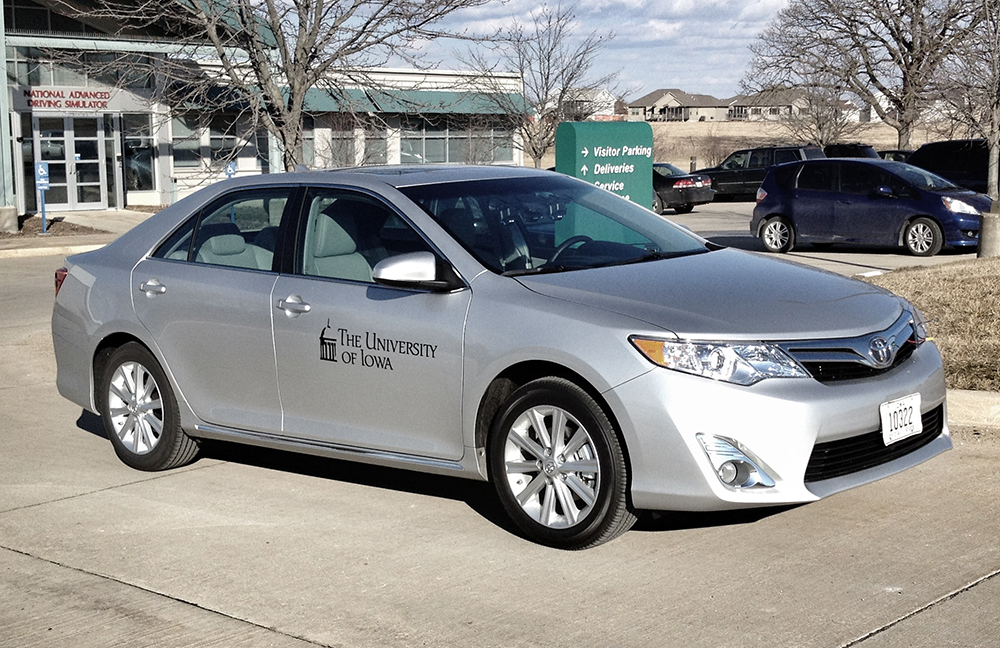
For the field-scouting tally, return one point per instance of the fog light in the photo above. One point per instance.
(734, 464)
(970, 234)
(728, 472)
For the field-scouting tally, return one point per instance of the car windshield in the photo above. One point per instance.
(923, 179)
(549, 224)
(668, 170)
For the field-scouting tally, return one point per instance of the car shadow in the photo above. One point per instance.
(660, 521)
(90, 422)
(477, 495)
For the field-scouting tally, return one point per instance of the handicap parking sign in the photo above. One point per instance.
(41, 175)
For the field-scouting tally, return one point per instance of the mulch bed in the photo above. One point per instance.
(32, 226)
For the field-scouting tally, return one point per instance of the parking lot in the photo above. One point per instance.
(258, 548)
(727, 223)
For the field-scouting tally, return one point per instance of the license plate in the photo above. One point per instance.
(900, 418)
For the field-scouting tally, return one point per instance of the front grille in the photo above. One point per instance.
(846, 456)
(852, 358)
(826, 372)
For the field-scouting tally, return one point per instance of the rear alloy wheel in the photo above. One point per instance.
(140, 412)
(686, 208)
(922, 237)
(657, 203)
(777, 235)
(558, 467)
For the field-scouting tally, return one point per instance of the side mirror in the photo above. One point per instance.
(421, 270)
(883, 191)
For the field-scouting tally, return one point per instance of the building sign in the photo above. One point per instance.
(616, 156)
(75, 99)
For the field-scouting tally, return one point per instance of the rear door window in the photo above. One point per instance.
(237, 230)
(818, 177)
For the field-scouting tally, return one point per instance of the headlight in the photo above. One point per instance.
(920, 329)
(741, 364)
(959, 206)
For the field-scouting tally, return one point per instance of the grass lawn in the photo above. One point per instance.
(962, 302)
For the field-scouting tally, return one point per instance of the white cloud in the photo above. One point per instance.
(700, 46)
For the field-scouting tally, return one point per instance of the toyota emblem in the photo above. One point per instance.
(881, 351)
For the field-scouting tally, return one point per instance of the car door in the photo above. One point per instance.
(728, 177)
(756, 169)
(814, 196)
(204, 297)
(871, 206)
(360, 364)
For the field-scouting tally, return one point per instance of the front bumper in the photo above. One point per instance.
(780, 421)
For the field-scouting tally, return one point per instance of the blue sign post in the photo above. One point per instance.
(42, 184)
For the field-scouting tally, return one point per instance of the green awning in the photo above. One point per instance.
(407, 102)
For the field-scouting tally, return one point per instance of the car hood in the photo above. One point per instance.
(729, 295)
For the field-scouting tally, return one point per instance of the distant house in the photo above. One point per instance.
(672, 104)
(590, 104)
(772, 105)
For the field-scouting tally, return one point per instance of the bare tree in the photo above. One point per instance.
(970, 93)
(824, 116)
(555, 66)
(260, 58)
(885, 52)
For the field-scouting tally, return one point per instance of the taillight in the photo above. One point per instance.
(60, 278)
(761, 194)
(680, 184)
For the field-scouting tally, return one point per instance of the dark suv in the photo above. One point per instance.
(853, 149)
(964, 162)
(741, 173)
(875, 202)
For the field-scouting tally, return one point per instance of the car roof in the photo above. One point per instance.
(408, 175)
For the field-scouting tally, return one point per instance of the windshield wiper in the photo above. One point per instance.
(545, 269)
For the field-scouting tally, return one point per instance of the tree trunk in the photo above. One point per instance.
(989, 223)
(989, 232)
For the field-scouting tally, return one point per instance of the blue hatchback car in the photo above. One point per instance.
(855, 200)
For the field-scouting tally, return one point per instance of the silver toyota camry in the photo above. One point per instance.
(587, 357)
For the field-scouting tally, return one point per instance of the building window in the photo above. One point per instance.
(139, 153)
(27, 16)
(471, 142)
(28, 66)
(186, 141)
(308, 140)
(223, 141)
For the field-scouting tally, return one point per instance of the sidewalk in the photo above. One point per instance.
(115, 223)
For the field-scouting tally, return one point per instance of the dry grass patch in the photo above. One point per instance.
(962, 302)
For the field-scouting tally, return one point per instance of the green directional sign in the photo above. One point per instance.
(617, 156)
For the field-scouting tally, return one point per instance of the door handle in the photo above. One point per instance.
(152, 287)
(293, 306)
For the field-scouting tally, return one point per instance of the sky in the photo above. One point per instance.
(698, 46)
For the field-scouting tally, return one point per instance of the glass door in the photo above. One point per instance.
(74, 149)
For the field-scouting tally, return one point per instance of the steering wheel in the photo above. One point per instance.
(568, 243)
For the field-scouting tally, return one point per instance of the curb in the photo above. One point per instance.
(968, 408)
(63, 250)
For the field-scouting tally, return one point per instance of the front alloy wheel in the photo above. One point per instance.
(923, 237)
(558, 467)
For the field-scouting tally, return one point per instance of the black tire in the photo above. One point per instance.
(657, 203)
(135, 399)
(686, 208)
(777, 234)
(922, 237)
(556, 485)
